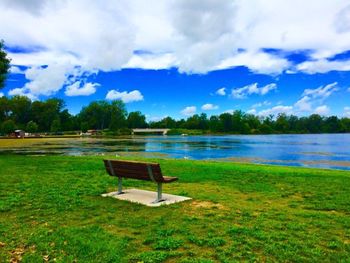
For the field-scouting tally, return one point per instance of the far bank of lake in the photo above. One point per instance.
(311, 150)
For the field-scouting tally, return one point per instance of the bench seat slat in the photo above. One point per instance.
(130, 174)
(136, 170)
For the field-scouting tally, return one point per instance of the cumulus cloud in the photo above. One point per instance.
(244, 92)
(322, 92)
(251, 111)
(31, 6)
(347, 112)
(76, 89)
(22, 92)
(1, 94)
(125, 96)
(189, 111)
(310, 97)
(323, 66)
(151, 61)
(209, 106)
(312, 101)
(261, 104)
(322, 110)
(276, 110)
(44, 80)
(16, 70)
(256, 61)
(304, 104)
(342, 20)
(221, 92)
(194, 36)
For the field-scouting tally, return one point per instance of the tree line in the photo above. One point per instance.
(19, 112)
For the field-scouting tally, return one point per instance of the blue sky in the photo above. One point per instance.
(177, 58)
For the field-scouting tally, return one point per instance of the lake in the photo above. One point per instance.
(320, 150)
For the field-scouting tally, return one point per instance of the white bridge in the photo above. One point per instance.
(146, 130)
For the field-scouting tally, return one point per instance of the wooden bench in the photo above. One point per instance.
(138, 170)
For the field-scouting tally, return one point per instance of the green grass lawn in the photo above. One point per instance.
(51, 210)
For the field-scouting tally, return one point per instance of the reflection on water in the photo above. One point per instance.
(325, 151)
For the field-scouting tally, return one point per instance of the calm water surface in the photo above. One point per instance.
(324, 150)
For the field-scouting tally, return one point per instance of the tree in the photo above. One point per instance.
(20, 110)
(136, 120)
(4, 64)
(118, 115)
(215, 124)
(332, 125)
(282, 124)
(32, 127)
(44, 112)
(8, 126)
(97, 114)
(314, 123)
(84, 126)
(56, 126)
(66, 120)
(227, 123)
(5, 108)
(237, 123)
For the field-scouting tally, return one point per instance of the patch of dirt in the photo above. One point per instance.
(207, 205)
(16, 255)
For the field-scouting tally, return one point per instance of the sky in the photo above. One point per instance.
(181, 57)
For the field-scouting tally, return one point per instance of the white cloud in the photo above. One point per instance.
(256, 61)
(16, 70)
(322, 110)
(22, 92)
(76, 89)
(342, 21)
(251, 111)
(244, 92)
(348, 89)
(304, 104)
(221, 92)
(261, 104)
(1, 94)
(125, 96)
(323, 66)
(347, 112)
(195, 36)
(209, 106)
(151, 61)
(46, 80)
(32, 6)
(277, 109)
(189, 111)
(310, 97)
(322, 92)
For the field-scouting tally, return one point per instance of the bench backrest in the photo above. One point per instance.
(134, 170)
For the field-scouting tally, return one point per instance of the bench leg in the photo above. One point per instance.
(159, 194)
(120, 187)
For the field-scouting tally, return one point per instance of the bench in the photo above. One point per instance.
(138, 170)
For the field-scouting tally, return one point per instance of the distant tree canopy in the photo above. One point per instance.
(239, 122)
(4, 64)
(19, 112)
(136, 120)
(103, 114)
